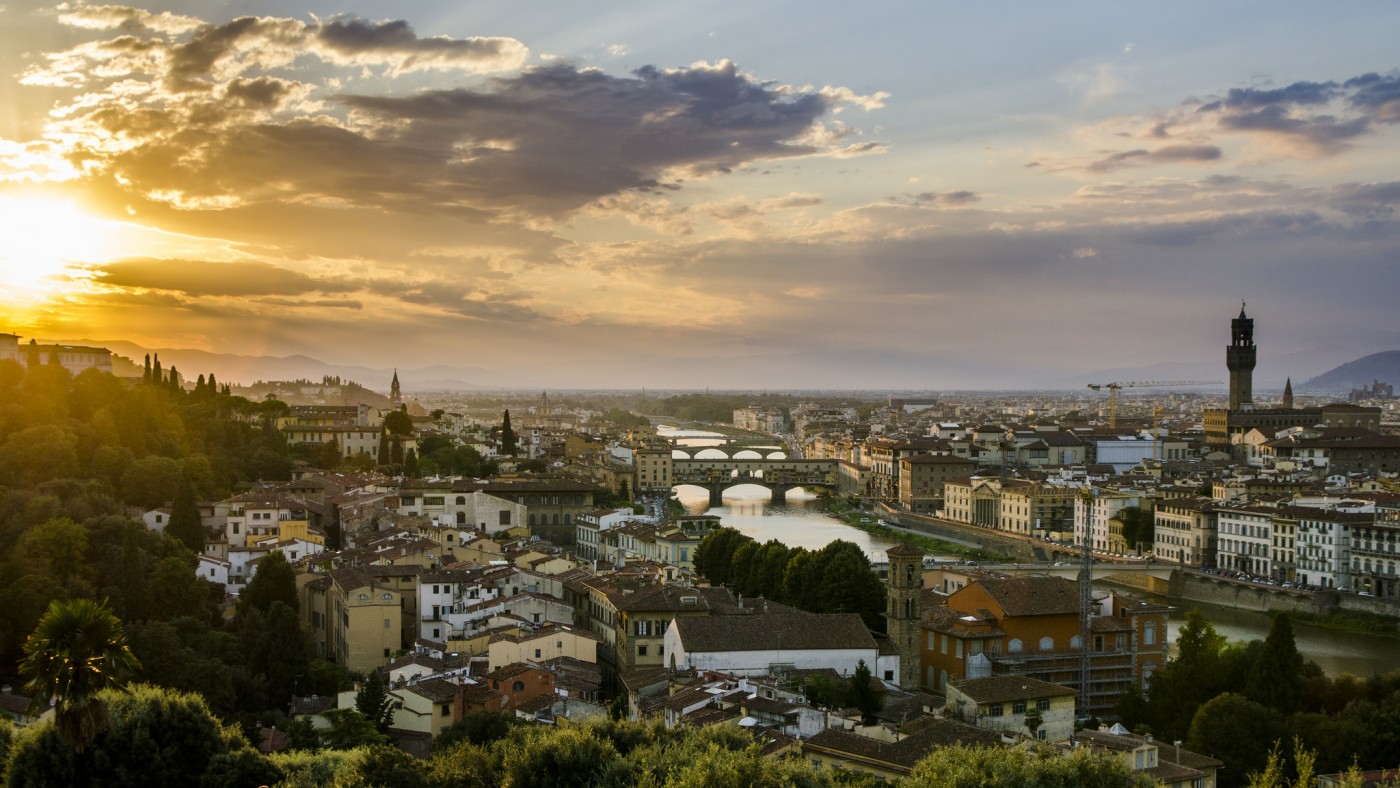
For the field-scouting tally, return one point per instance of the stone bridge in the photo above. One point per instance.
(779, 475)
(1152, 577)
(765, 450)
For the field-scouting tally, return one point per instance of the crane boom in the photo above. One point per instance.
(1140, 384)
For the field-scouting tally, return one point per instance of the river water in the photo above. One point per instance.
(803, 523)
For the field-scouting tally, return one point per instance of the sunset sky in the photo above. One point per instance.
(726, 194)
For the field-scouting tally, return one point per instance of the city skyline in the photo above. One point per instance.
(773, 196)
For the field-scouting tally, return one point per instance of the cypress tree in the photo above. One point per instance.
(507, 437)
(1276, 677)
(199, 386)
(410, 463)
(184, 517)
(156, 375)
(175, 380)
(213, 385)
(383, 457)
(146, 375)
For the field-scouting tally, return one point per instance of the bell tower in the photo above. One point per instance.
(903, 616)
(1239, 359)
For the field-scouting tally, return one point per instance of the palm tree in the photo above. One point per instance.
(77, 650)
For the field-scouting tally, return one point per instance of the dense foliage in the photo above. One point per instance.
(835, 579)
(1239, 701)
(79, 455)
(160, 737)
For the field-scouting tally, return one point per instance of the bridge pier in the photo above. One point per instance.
(779, 496)
(716, 496)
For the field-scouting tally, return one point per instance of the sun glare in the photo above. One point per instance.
(41, 237)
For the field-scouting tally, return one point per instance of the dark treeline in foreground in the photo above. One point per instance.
(162, 737)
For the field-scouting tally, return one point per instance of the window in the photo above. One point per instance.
(386, 623)
(1149, 633)
(537, 653)
(641, 651)
(1019, 707)
(1014, 647)
(1043, 704)
(447, 710)
(517, 686)
(504, 517)
(1047, 644)
(995, 710)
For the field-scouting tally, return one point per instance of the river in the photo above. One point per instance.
(801, 522)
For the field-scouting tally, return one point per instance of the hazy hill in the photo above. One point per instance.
(1384, 367)
(246, 370)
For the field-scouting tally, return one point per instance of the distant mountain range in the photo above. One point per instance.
(1384, 367)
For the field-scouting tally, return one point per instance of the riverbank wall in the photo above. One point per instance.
(1018, 549)
(1196, 587)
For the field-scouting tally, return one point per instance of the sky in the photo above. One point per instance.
(755, 195)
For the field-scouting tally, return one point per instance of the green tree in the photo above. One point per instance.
(1239, 732)
(1138, 527)
(374, 701)
(962, 766)
(398, 422)
(507, 436)
(866, 693)
(156, 737)
(349, 729)
(274, 581)
(480, 727)
(78, 650)
(184, 522)
(1194, 676)
(1276, 676)
(714, 557)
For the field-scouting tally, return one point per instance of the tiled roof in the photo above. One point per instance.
(1007, 689)
(1031, 596)
(774, 632)
(902, 755)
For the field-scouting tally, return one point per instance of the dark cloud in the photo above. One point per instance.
(395, 41)
(1299, 112)
(945, 199)
(201, 278)
(1380, 95)
(1165, 154)
(557, 137)
(1297, 94)
(477, 306)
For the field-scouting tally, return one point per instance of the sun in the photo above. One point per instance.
(42, 238)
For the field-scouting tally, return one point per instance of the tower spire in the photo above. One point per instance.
(1288, 393)
(395, 393)
(1239, 359)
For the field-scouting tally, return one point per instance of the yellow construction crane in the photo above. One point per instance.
(1140, 384)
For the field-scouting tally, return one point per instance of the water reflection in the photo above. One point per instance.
(1337, 652)
(801, 522)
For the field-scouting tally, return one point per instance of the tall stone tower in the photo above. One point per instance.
(395, 393)
(905, 580)
(1239, 359)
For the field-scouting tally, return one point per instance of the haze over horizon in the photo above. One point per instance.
(797, 196)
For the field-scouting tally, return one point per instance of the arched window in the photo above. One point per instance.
(532, 520)
(1077, 641)
(461, 500)
(1047, 644)
(1015, 646)
(517, 686)
(567, 519)
(556, 518)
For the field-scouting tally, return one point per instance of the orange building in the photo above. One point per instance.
(1031, 626)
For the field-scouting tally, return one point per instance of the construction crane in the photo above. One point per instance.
(1140, 384)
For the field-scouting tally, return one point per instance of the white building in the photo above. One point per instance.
(1246, 540)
